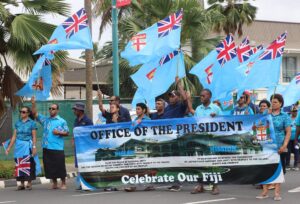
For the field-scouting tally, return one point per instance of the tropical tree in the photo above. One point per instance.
(96, 50)
(20, 35)
(198, 23)
(235, 14)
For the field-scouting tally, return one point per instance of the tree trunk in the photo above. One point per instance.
(89, 67)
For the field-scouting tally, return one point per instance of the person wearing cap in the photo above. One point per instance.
(176, 108)
(206, 109)
(55, 129)
(160, 109)
(293, 146)
(80, 120)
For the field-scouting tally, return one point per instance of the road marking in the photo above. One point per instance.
(211, 201)
(12, 201)
(295, 190)
(90, 194)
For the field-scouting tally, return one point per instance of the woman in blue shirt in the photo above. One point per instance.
(282, 128)
(24, 138)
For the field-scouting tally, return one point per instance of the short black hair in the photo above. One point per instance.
(57, 106)
(209, 92)
(159, 99)
(278, 97)
(266, 102)
(143, 106)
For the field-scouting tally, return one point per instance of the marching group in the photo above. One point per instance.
(286, 126)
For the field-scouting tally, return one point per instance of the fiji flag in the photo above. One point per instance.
(226, 78)
(158, 40)
(265, 69)
(73, 33)
(40, 81)
(292, 92)
(156, 77)
(205, 69)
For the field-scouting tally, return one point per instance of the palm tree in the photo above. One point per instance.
(20, 35)
(96, 50)
(235, 14)
(197, 23)
(89, 65)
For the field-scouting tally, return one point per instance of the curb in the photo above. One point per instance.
(39, 180)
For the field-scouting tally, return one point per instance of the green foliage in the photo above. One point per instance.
(6, 169)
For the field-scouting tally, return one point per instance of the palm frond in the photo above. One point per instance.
(47, 7)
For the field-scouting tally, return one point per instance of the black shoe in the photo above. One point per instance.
(174, 188)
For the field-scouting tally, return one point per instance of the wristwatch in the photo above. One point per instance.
(33, 146)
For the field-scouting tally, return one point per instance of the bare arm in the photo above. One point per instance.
(12, 142)
(180, 89)
(33, 142)
(100, 102)
(286, 140)
(189, 103)
(297, 134)
(33, 107)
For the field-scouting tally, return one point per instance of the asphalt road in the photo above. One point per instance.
(230, 194)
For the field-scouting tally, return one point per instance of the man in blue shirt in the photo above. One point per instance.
(242, 108)
(160, 109)
(55, 129)
(207, 108)
(176, 108)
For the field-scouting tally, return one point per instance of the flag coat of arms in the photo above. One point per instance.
(265, 70)
(158, 40)
(40, 81)
(154, 78)
(73, 33)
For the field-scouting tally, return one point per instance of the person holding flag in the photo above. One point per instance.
(24, 139)
(55, 129)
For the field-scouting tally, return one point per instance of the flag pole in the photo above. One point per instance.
(115, 48)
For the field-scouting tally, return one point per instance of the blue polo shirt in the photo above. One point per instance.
(85, 121)
(24, 129)
(206, 111)
(175, 111)
(280, 123)
(124, 114)
(242, 111)
(49, 140)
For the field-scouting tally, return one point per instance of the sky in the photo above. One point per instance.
(273, 10)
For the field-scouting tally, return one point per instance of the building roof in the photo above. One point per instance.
(264, 32)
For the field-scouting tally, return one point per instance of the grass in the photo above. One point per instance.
(7, 167)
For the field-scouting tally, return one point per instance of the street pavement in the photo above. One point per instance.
(230, 194)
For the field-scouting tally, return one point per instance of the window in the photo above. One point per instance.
(289, 68)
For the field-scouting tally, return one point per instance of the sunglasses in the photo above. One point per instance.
(52, 108)
(23, 112)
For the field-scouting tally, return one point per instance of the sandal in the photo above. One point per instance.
(130, 189)
(277, 198)
(19, 188)
(197, 189)
(29, 187)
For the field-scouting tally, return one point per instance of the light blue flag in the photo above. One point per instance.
(205, 69)
(291, 93)
(156, 41)
(73, 33)
(40, 81)
(264, 71)
(156, 77)
(5, 144)
(226, 78)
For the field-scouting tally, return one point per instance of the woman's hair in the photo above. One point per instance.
(30, 115)
(143, 107)
(266, 102)
(114, 104)
(278, 97)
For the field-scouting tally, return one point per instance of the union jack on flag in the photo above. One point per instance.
(22, 167)
(226, 50)
(275, 49)
(75, 23)
(170, 23)
(298, 78)
(168, 57)
(244, 50)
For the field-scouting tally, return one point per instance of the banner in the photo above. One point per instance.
(229, 149)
